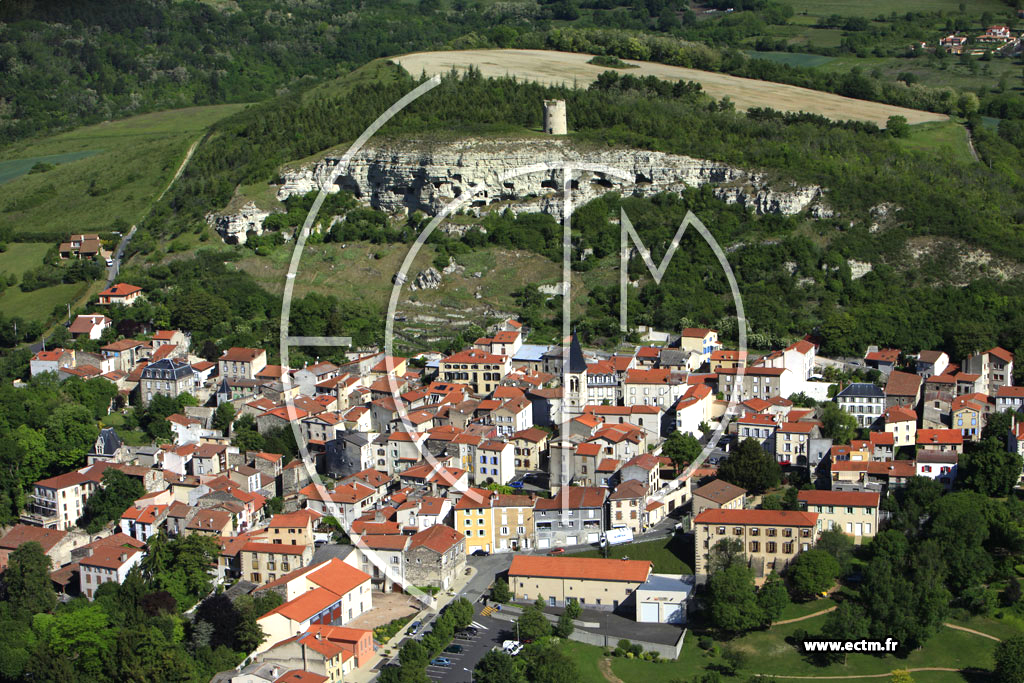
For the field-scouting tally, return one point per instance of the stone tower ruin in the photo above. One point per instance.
(554, 117)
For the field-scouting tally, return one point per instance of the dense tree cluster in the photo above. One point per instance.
(46, 429)
(132, 631)
(939, 552)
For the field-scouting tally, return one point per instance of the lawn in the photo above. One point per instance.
(768, 653)
(671, 555)
(39, 305)
(795, 610)
(947, 139)
(108, 171)
(20, 256)
(586, 658)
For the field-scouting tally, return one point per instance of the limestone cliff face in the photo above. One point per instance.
(411, 177)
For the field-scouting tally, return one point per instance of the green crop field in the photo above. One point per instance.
(15, 168)
(873, 8)
(103, 173)
(948, 139)
(791, 58)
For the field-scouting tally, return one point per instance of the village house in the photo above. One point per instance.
(656, 387)
(86, 246)
(760, 427)
(481, 370)
(108, 562)
(435, 557)
(883, 360)
(582, 521)
(995, 367)
(330, 593)
(169, 377)
(89, 326)
(863, 400)
(938, 465)
(264, 562)
(931, 363)
(332, 653)
(727, 358)
(902, 389)
(1009, 398)
(792, 442)
(757, 382)
(626, 506)
(855, 513)
(241, 363)
(969, 413)
(51, 361)
(121, 293)
(699, 340)
(529, 445)
(718, 494)
(901, 422)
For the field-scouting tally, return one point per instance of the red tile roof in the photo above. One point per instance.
(902, 384)
(899, 414)
(337, 576)
(884, 356)
(23, 533)
(439, 538)
(926, 437)
(588, 568)
(840, 498)
(237, 354)
(1001, 353)
(761, 517)
(474, 356)
(385, 541)
(121, 289)
(578, 496)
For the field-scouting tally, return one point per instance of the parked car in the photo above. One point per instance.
(557, 551)
(440, 661)
(455, 649)
(512, 647)
(480, 552)
(414, 629)
(516, 484)
(469, 631)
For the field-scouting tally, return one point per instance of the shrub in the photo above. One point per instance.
(705, 643)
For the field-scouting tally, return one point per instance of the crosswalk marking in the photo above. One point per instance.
(478, 625)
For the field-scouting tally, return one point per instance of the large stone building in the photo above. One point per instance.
(770, 538)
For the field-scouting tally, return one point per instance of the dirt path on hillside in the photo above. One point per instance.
(806, 616)
(971, 630)
(856, 676)
(605, 665)
(184, 163)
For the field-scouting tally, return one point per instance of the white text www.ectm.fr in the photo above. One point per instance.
(887, 645)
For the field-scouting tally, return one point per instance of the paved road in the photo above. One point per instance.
(118, 255)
